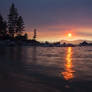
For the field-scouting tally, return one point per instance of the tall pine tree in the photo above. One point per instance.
(35, 34)
(20, 26)
(3, 27)
(12, 20)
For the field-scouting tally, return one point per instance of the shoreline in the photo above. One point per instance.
(32, 43)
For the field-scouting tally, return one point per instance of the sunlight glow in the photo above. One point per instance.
(68, 73)
(69, 35)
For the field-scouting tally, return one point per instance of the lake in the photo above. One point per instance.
(46, 69)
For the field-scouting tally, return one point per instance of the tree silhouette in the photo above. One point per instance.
(12, 20)
(4, 33)
(15, 25)
(26, 36)
(3, 27)
(35, 34)
(20, 26)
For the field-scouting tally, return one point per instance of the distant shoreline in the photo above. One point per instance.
(22, 42)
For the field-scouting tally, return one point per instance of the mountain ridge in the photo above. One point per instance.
(75, 41)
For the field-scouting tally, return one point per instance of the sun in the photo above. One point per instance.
(69, 35)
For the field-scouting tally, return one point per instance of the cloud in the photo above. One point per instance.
(54, 12)
(51, 15)
(85, 34)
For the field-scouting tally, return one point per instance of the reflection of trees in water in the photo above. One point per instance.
(18, 59)
(3, 66)
(34, 54)
(11, 60)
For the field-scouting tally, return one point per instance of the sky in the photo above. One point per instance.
(54, 19)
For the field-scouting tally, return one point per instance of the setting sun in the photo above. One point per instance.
(69, 35)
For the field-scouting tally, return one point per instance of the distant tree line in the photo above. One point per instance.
(13, 27)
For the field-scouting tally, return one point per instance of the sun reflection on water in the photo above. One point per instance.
(68, 73)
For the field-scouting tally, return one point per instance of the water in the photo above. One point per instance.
(48, 69)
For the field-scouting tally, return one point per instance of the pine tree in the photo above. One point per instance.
(4, 33)
(12, 20)
(3, 27)
(20, 26)
(26, 36)
(35, 34)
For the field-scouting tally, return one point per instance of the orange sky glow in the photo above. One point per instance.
(59, 33)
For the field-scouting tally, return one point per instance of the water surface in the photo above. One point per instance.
(48, 69)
